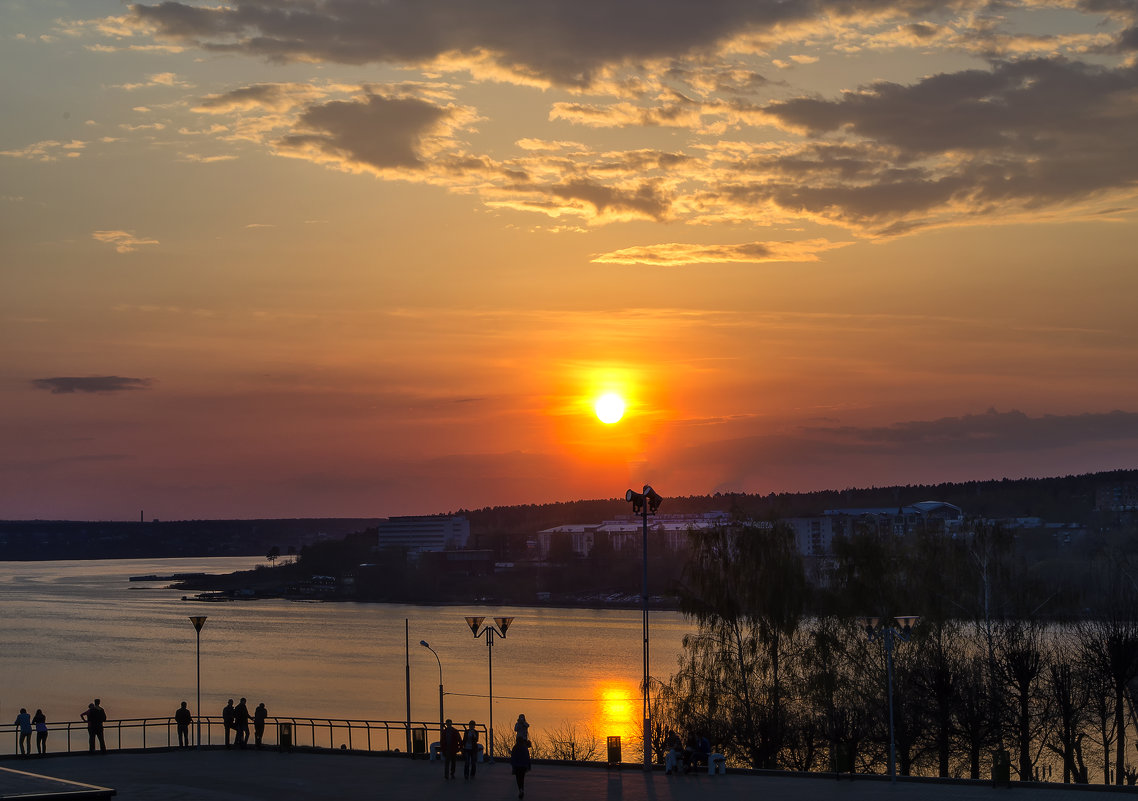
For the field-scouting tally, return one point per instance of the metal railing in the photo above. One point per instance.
(280, 732)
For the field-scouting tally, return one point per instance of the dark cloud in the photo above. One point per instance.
(567, 42)
(378, 132)
(1018, 137)
(103, 383)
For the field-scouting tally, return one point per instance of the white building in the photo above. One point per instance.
(429, 533)
(626, 533)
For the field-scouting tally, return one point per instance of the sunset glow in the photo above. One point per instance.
(325, 262)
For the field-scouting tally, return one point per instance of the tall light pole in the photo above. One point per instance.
(498, 627)
(442, 745)
(199, 621)
(643, 504)
(876, 628)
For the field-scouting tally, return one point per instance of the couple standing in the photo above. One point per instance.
(453, 744)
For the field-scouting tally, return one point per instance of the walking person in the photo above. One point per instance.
(95, 716)
(241, 723)
(450, 746)
(183, 718)
(40, 722)
(227, 720)
(24, 725)
(260, 714)
(520, 762)
(469, 751)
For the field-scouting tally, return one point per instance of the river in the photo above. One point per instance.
(76, 630)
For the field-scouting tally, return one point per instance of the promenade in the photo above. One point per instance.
(269, 775)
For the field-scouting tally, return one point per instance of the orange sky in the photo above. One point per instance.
(380, 258)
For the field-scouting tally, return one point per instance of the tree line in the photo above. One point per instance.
(780, 673)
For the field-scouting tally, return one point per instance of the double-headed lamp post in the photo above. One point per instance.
(643, 504)
(875, 628)
(441, 725)
(490, 630)
(199, 621)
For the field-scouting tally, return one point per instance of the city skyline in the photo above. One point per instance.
(370, 259)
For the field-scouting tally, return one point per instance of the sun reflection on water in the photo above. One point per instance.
(615, 712)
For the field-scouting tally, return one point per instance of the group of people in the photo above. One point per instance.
(94, 716)
(25, 724)
(454, 744)
(686, 755)
(236, 721)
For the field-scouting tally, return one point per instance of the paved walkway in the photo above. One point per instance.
(220, 775)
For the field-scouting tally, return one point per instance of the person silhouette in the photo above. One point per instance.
(95, 716)
(183, 718)
(241, 723)
(24, 724)
(520, 763)
(469, 751)
(260, 714)
(521, 728)
(227, 720)
(40, 722)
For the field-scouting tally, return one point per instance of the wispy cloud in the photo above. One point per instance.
(123, 241)
(676, 254)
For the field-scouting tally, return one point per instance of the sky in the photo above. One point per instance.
(299, 258)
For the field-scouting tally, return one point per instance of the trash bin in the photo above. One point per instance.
(418, 741)
(284, 736)
(614, 751)
(1001, 768)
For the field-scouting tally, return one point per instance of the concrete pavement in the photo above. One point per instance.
(231, 775)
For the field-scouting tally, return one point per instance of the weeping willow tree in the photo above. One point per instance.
(745, 587)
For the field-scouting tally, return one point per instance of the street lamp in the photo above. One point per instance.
(498, 627)
(876, 627)
(442, 745)
(199, 621)
(643, 504)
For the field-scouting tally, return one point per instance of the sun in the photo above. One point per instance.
(609, 408)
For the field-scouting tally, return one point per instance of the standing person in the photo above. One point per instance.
(260, 714)
(24, 725)
(450, 746)
(241, 723)
(469, 751)
(521, 728)
(520, 762)
(95, 716)
(40, 722)
(183, 718)
(227, 720)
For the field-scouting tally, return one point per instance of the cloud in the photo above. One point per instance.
(167, 79)
(124, 241)
(375, 134)
(105, 383)
(47, 150)
(677, 254)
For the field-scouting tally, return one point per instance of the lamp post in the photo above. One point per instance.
(490, 630)
(643, 504)
(199, 621)
(876, 628)
(432, 650)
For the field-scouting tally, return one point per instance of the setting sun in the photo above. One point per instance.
(609, 408)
